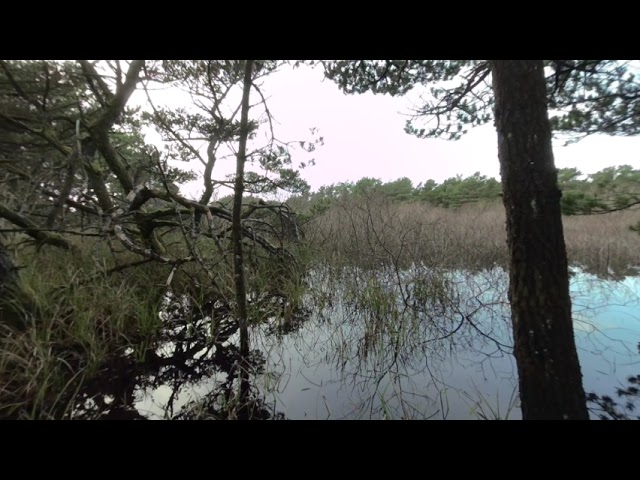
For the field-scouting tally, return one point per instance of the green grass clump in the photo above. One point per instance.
(76, 318)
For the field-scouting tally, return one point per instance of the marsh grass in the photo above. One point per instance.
(604, 245)
(83, 313)
(408, 276)
(372, 231)
(79, 318)
(484, 407)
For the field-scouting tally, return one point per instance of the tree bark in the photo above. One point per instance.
(545, 350)
(34, 231)
(241, 297)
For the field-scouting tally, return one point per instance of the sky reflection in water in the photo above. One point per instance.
(442, 359)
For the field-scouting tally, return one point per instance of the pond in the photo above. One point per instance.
(412, 344)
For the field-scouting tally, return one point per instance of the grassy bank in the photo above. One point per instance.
(79, 317)
(89, 309)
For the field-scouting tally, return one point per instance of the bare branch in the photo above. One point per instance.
(611, 210)
(31, 229)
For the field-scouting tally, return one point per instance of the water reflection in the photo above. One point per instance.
(384, 347)
(410, 344)
(193, 372)
(445, 355)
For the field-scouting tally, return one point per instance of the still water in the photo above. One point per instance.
(365, 345)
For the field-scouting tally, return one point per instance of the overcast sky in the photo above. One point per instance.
(364, 136)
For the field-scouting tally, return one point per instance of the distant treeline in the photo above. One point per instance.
(611, 188)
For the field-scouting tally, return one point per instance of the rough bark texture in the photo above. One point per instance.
(548, 366)
(241, 297)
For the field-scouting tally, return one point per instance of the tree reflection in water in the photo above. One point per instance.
(377, 344)
(383, 346)
(195, 371)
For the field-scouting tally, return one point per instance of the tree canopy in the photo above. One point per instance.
(584, 96)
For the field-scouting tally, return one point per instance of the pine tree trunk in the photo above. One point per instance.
(238, 261)
(545, 350)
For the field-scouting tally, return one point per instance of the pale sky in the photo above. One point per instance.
(364, 136)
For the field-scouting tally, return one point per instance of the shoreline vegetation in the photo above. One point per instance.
(471, 236)
(88, 308)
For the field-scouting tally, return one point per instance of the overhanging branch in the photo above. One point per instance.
(34, 231)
